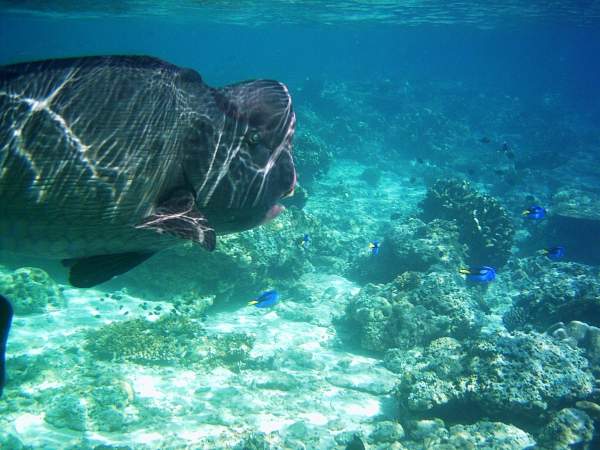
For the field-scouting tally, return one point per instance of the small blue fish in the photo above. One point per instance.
(554, 253)
(374, 247)
(6, 314)
(483, 274)
(266, 299)
(534, 212)
(305, 241)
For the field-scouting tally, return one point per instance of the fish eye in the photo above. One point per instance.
(254, 137)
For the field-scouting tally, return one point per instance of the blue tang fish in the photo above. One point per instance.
(374, 247)
(266, 299)
(6, 313)
(482, 274)
(534, 212)
(554, 253)
(304, 241)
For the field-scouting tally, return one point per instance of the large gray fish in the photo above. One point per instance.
(106, 160)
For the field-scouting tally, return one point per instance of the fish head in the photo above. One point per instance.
(254, 167)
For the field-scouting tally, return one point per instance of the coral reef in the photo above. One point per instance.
(409, 245)
(574, 209)
(518, 378)
(582, 335)
(171, 340)
(412, 310)
(242, 264)
(552, 292)
(99, 407)
(484, 225)
(30, 290)
(312, 156)
(482, 435)
(67, 411)
(439, 371)
(569, 428)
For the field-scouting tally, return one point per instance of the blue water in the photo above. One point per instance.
(392, 102)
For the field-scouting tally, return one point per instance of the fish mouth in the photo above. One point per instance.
(273, 212)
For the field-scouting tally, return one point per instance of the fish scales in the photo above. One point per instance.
(113, 154)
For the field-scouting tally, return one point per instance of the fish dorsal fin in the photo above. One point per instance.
(93, 270)
(178, 216)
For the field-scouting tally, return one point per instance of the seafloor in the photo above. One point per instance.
(396, 348)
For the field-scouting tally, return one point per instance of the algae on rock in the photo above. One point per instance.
(171, 340)
(411, 245)
(31, 290)
(484, 225)
(411, 311)
(517, 378)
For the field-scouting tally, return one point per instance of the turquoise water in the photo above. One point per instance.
(424, 133)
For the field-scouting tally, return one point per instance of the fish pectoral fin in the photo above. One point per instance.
(6, 314)
(179, 217)
(93, 270)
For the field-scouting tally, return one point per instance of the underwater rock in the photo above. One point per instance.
(243, 264)
(108, 419)
(591, 344)
(484, 225)
(551, 292)
(12, 442)
(413, 310)
(192, 304)
(298, 200)
(278, 380)
(591, 408)
(31, 290)
(312, 156)
(573, 209)
(514, 378)
(569, 428)
(386, 432)
(254, 441)
(304, 432)
(488, 436)
(410, 245)
(377, 383)
(582, 335)
(106, 407)
(371, 176)
(432, 431)
(67, 411)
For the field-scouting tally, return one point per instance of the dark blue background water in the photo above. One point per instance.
(526, 60)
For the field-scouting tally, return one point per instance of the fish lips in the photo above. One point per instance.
(272, 213)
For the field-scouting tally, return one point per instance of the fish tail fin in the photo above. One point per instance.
(464, 271)
(252, 302)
